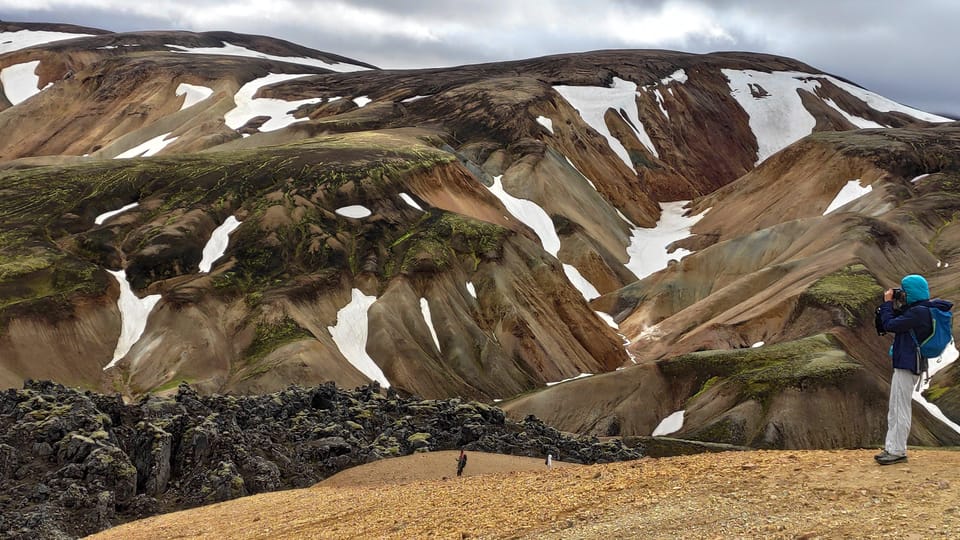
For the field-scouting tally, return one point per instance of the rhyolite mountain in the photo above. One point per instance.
(475, 231)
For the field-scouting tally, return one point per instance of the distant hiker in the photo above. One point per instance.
(461, 463)
(913, 325)
(549, 461)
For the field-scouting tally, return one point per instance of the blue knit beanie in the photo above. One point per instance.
(916, 288)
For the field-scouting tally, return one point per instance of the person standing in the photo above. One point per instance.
(911, 324)
(461, 462)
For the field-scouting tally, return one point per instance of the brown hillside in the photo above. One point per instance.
(820, 494)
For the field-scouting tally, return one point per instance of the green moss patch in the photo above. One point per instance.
(269, 337)
(763, 372)
(853, 290)
(439, 238)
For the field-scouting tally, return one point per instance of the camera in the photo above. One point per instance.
(899, 296)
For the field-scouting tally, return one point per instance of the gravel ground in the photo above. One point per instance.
(763, 494)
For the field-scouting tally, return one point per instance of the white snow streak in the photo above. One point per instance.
(670, 424)
(350, 335)
(355, 211)
(883, 104)
(592, 102)
(546, 122)
(217, 245)
(471, 289)
(147, 148)
(919, 178)
(99, 220)
(412, 99)
(133, 316)
(586, 288)
(362, 100)
(850, 192)
(22, 39)
(660, 103)
(228, 49)
(425, 310)
(409, 200)
(20, 81)
(948, 357)
(757, 344)
(580, 376)
(530, 214)
(277, 109)
(861, 123)
(195, 94)
(648, 247)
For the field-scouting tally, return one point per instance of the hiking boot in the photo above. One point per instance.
(883, 453)
(890, 459)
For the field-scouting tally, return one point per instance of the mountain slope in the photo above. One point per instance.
(442, 230)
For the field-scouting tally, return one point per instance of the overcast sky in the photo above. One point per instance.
(904, 50)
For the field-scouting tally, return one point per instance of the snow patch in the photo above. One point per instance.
(580, 376)
(607, 318)
(195, 94)
(425, 310)
(147, 148)
(229, 49)
(350, 335)
(471, 289)
(134, 312)
(670, 424)
(679, 75)
(409, 200)
(583, 175)
(217, 245)
(648, 247)
(412, 99)
(592, 102)
(660, 103)
(849, 193)
(757, 344)
(20, 81)
(362, 100)
(99, 220)
(355, 211)
(278, 110)
(22, 39)
(919, 178)
(586, 288)
(950, 354)
(862, 123)
(778, 117)
(546, 122)
(530, 214)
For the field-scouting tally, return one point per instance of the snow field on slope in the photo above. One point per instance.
(949, 356)
(648, 247)
(670, 424)
(780, 119)
(532, 215)
(679, 75)
(850, 192)
(102, 218)
(217, 245)
(22, 39)
(133, 316)
(229, 49)
(20, 81)
(472, 290)
(195, 94)
(350, 335)
(592, 103)
(147, 148)
(861, 123)
(425, 311)
(362, 101)
(546, 123)
(279, 111)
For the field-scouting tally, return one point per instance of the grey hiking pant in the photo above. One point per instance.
(899, 413)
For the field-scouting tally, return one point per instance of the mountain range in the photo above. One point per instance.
(693, 244)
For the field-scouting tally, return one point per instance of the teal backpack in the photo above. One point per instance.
(942, 334)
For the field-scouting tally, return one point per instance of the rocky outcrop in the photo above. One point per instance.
(73, 463)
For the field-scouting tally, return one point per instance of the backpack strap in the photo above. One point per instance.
(925, 372)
